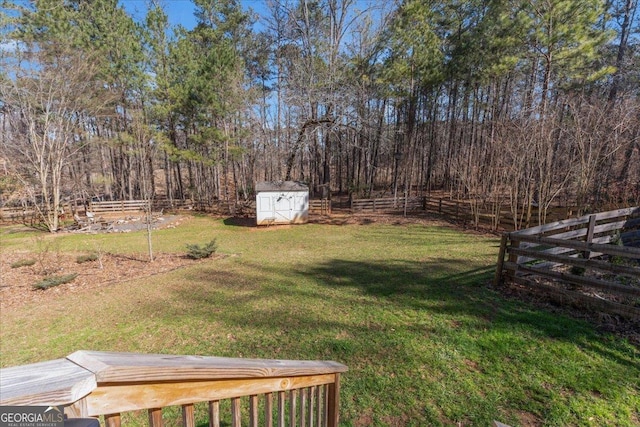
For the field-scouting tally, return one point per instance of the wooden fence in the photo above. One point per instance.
(320, 206)
(388, 204)
(119, 206)
(478, 212)
(29, 215)
(124, 206)
(315, 206)
(593, 261)
(18, 215)
(93, 384)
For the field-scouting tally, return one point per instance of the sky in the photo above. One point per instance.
(180, 12)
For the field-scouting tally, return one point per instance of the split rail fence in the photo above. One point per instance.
(492, 214)
(237, 391)
(388, 204)
(28, 215)
(595, 259)
(316, 206)
(18, 215)
(124, 206)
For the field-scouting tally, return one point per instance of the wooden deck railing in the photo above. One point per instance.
(93, 384)
(599, 253)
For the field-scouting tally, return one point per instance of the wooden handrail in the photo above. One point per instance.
(91, 384)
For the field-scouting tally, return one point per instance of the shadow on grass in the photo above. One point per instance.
(394, 321)
(272, 299)
(446, 286)
(240, 222)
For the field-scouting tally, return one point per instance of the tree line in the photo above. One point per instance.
(518, 104)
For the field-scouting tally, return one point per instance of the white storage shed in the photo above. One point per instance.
(284, 202)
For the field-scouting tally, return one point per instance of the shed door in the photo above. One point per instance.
(283, 206)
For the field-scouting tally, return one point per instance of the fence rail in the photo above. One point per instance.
(320, 206)
(120, 206)
(23, 215)
(478, 212)
(124, 206)
(388, 204)
(493, 214)
(595, 257)
(93, 384)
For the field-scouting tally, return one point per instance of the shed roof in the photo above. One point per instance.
(281, 186)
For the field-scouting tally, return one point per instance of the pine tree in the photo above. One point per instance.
(564, 38)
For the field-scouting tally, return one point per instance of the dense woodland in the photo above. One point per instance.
(507, 103)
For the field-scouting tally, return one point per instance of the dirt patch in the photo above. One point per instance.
(368, 218)
(16, 285)
(123, 224)
(529, 419)
(17, 282)
(623, 327)
(412, 218)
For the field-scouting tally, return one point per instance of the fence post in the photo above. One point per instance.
(590, 232)
(513, 258)
(503, 249)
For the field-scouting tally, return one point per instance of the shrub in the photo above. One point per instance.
(577, 270)
(52, 281)
(23, 263)
(87, 258)
(197, 252)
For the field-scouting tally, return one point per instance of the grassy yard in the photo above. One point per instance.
(406, 307)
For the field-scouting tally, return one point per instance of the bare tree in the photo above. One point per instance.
(45, 105)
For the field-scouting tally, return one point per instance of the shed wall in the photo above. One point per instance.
(282, 207)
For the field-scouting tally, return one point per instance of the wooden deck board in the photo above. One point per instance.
(51, 383)
(129, 367)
